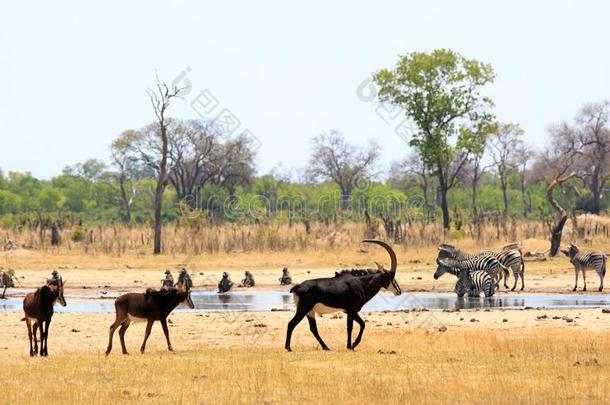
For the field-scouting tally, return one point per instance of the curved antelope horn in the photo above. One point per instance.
(389, 249)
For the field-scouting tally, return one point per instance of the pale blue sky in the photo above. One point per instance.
(73, 75)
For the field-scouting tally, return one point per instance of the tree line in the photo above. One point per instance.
(460, 161)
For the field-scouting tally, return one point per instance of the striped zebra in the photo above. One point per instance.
(584, 261)
(472, 279)
(487, 260)
(510, 257)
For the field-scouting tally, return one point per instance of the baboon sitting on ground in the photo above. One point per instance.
(225, 283)
(248, 280)
(286, 278)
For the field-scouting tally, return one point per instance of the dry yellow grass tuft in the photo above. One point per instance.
(198, 238)
(548, 365)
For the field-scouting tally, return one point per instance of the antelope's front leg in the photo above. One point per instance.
(29, 326)
(166, 332)
(350, 328)
(360, 321)
(147, 334)
(35, 328)
(47, 324)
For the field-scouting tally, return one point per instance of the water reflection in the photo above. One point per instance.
(210, 301)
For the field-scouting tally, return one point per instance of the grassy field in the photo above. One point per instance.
(493, 357)
(547, 365)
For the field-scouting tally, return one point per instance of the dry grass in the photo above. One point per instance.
(187, 238)
(492, 361)
(548, 366)
(140, 270)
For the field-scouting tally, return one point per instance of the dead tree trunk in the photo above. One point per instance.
(160, 102)
(55, 238)
(562, 215)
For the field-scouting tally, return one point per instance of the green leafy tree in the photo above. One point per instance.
(440, 93)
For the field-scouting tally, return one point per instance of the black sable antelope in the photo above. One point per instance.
(148, 307)
(38, 308)
(344, 292)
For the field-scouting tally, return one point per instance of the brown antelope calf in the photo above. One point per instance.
(148, 307)
(38, 308)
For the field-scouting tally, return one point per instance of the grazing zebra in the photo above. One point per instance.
(472, 279)
(510, 257)
(584, 261)
(484, 261)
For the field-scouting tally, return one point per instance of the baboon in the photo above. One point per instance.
(55, 277)
(6, 281)
(286, 278)
(248, 280)
(184, 279)
(168, 281)
(225, 283)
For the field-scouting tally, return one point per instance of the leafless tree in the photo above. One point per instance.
(160, 99)
(523, 156)
(475, 170)
(196, 153)
(333, 158)
(503, 146)
(558, 164)
(237, 164)
(593, 135)
(123, 157)
(412, 172)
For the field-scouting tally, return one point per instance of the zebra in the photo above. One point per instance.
(472, 276)
(488, 261)
(510, 257)
(584, 261)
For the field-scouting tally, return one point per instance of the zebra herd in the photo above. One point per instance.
(483, 271)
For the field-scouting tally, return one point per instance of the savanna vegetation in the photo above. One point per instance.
(465, 174)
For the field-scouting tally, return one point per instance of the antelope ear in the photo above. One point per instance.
(379, 266)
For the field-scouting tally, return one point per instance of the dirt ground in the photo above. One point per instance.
(97, 274)
(546, 355)
(136, 272)
(89, 332)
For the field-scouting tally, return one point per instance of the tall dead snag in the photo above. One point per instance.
(558, 163)
(160, 100)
